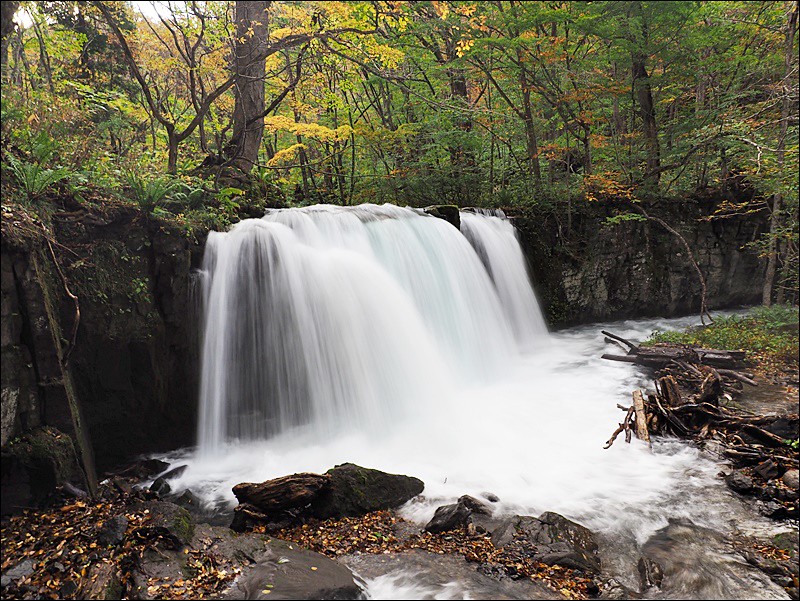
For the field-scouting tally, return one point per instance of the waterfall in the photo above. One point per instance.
(328, 318)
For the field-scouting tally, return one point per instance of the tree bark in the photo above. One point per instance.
(250, 70)
(7, 10)
(644, 96)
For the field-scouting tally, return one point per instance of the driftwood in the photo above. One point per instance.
(282, 493)
(691, 387)
(641, 416)
(661, 356)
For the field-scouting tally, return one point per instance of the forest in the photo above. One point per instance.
(399, 299)
(189, 106)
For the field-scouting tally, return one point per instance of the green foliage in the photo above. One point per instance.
(33, 178)
(772, 331)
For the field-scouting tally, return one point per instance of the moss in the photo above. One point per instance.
(113, 589)
(182, 525)
(47, 455)
(46, 446)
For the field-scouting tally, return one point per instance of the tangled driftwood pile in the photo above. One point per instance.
(691, 386)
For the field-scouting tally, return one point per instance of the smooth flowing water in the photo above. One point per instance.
(385, 337)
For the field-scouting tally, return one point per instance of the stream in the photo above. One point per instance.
(399, 344)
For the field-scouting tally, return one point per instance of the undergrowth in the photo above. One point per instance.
(770, 331)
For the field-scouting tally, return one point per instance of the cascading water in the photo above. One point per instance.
(388, 338)
(338, 318)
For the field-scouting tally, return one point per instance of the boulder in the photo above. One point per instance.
(739, 482)
(551, 539)
(167, 522)
(160, 486)
(449, 213)
(112, 532)
(355, 491)
(792, 479)
(34, 465)
(288, 572)
(457, 515)
(144, 468)
(21, 570)
(347, 490)
(175, 472)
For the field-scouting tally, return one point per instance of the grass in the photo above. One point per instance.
(771, 332)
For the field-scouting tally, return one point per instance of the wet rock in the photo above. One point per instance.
(167, 522)
(347, 490)
(176, 472)
(21, 570)
(447, 212)
(448, 517)
(145, 468)
(551, 539)
(355, 491)
(426, 575)
(792, 479)
(112, 532)
(457, 515)
(287, 572)
(161, 487)
(650, 573)
(491, 497)
(739, 482)
(188, 499)
(700, 563)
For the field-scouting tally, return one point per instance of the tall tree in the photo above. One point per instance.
(7, 11)
(249, 64)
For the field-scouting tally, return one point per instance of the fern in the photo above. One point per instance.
(35, 179)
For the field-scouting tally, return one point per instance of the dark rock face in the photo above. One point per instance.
(134, 359)
(592, 271)
(356, 490)
(552, 539)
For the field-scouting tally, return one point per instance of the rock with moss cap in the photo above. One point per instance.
(33, 465)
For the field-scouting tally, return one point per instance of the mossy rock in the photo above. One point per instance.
(447, 212)
(171, 523)
(356, 491)
(34, 464)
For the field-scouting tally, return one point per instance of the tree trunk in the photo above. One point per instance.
(172, 157)
(250, 69)
(7, 10)
(644, 96)
(530, 131)
(777, 199)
